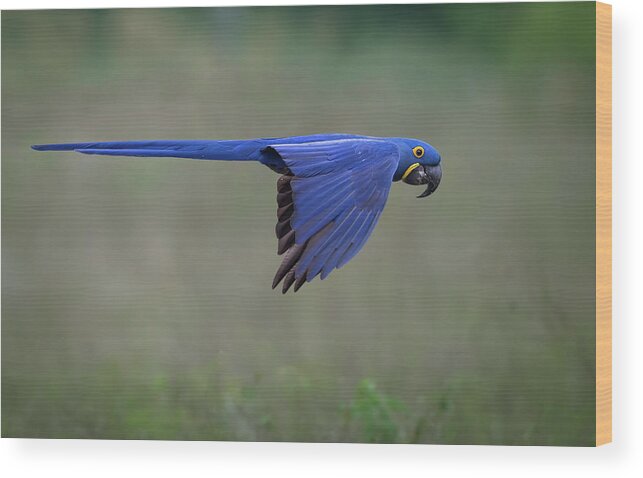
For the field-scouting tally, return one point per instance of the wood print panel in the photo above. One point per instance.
(136, 299)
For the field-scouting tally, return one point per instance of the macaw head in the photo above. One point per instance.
(419, 164)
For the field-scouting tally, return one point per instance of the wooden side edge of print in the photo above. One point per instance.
(603, 223)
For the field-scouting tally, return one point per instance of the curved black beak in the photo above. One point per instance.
(429, 175)
(434, 176)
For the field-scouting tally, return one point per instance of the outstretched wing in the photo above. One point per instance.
(329, 205)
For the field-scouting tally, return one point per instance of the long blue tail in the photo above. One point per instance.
(227, 150)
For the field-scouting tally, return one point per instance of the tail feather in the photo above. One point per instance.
(191, 149)
(158, 153)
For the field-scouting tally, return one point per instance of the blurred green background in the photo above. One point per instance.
(136, 298)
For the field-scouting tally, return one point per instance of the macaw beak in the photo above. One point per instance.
(429, 175)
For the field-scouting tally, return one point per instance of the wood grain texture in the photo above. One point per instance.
(603, 223)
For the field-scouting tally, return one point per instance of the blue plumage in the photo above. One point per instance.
(331, 193)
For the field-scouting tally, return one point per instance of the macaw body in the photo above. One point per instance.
(331, 192)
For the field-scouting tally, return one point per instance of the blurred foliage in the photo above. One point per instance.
(375, 414)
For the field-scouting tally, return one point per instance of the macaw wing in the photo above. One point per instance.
(329, 205)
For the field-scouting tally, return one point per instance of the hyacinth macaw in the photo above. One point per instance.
(331, 192)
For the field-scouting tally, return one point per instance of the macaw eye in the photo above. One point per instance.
(418, 151)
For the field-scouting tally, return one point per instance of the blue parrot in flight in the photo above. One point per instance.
(331, 192)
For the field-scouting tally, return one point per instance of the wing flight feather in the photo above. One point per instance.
(329, 204)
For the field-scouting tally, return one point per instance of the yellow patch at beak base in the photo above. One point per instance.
(409, 170)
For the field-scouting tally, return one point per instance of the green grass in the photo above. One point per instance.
(201, 405)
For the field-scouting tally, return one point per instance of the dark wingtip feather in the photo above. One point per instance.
(290, 259)
(288, 280)
(285, 242)
(283, 199)
(284, 213)
(282, 228)
(299, 282)
(283, 184)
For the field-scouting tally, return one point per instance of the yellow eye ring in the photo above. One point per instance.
(418, 151)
